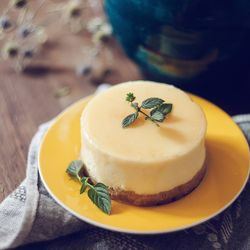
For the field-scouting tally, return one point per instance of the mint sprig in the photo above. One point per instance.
(97, 193)
(159, 110)
(74, 168)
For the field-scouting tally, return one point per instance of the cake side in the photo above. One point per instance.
(141, 177)
(164, 197)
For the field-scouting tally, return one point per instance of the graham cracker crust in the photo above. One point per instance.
(174, 194)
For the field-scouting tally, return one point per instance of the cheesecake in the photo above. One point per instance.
(144, 164)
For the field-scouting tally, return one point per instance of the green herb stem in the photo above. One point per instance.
(156, 123)
(88, 184)
(142, 112)
(79, 178)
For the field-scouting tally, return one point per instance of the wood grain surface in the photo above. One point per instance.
(28, 99)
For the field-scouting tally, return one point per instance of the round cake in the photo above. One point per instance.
(144, 164)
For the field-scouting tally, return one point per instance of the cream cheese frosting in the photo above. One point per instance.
(142, 158)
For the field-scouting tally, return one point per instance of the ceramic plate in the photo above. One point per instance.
(227, 173)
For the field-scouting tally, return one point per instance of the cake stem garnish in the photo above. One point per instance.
(97, 193)
(159, 110)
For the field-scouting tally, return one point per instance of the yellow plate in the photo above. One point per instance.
(227, 173)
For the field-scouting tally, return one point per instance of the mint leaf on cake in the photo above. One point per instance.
(159, 111)
(151, 103)
(129, 119)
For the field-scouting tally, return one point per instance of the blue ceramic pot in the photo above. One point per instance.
(180, 40)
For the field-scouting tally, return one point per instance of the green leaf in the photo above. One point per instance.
(165, 108)
(130, 97)
(100, 196)
(84, 181)
(158, 116)
(83, 188)
(74, 168)
(151, 103)
(129, 119)
(153, 111)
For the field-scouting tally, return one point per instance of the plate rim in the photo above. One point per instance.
(122, 230)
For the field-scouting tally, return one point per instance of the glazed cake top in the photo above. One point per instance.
(182, 130)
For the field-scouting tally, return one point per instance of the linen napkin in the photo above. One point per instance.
(30, 218)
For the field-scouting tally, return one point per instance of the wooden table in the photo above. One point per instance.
(27, 100)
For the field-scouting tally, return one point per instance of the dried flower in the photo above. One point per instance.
(19, 3)
(94, 24)
(10, 50)
(100, 29)
(75, 12)
(83, 70)
(23, 37)
(73, 9)
(28, 53)
(98, 24)
(100, 36)
(22, 27)
(24, 31)
(5, 23)
(41, 35)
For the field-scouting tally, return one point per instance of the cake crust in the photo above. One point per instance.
(174, 194)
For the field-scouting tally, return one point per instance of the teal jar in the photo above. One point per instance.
(179, 41)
